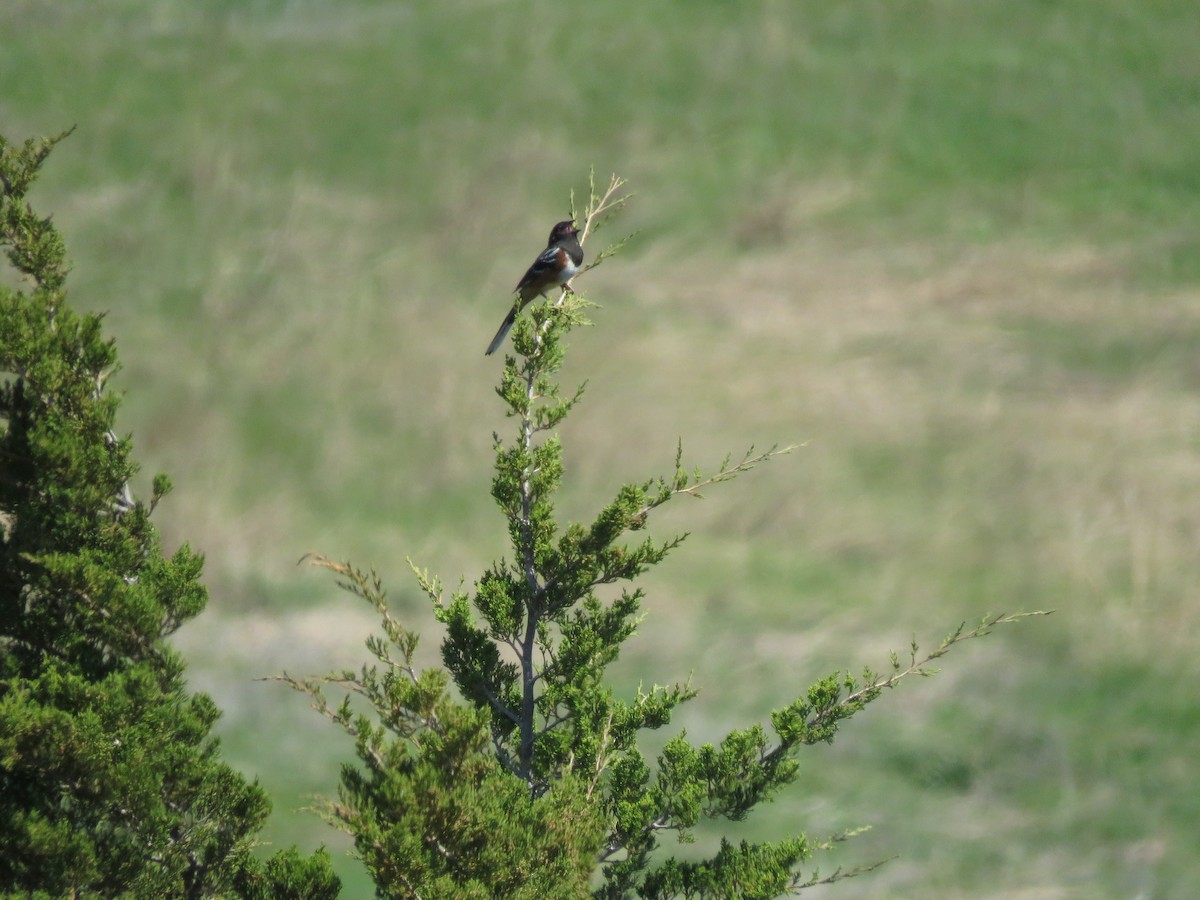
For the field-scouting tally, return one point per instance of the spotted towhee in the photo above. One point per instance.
(556, 266)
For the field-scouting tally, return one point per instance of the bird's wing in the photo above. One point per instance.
(543, 270)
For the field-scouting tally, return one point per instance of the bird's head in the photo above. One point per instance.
(563, 230)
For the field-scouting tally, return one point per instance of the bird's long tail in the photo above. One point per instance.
(503, 332)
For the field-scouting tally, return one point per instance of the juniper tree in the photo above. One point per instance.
(514, 769)
(110, 781)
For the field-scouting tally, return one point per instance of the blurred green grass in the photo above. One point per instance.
(950, 247)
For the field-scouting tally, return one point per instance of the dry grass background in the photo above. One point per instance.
(950, 466)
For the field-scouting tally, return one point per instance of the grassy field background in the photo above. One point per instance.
(951, 248)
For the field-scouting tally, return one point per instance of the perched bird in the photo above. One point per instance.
(556, 265)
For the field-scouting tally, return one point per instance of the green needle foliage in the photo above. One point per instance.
(530, 781)
(110, 783)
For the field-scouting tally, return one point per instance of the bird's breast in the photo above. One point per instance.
(568, 270)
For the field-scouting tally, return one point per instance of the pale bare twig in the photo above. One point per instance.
(601, 755)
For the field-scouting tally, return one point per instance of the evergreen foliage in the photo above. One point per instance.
(531, 782)
(110, 782)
